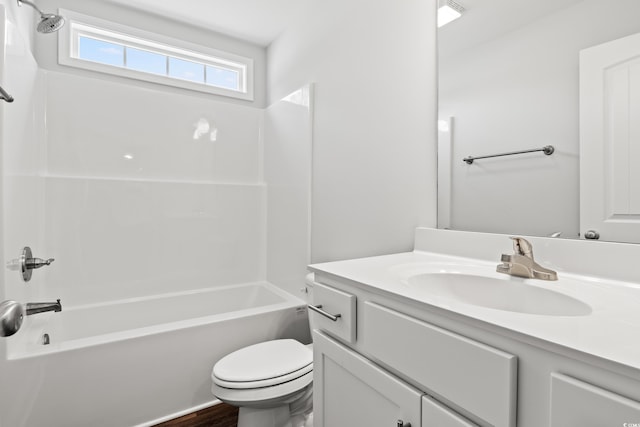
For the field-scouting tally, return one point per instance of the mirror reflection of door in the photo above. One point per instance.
(610, 140)
(508, 75)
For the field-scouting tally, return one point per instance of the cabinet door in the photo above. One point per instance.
(434, 414)
(578, 404)
(349, 390)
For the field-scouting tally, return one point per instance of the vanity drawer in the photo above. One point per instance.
(334, 302)
(473, 376)
(578, 404)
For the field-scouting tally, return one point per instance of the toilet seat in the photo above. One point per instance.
(264, 397)
(263, 365)
(264, 383)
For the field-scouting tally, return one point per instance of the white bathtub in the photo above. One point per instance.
(142, 361)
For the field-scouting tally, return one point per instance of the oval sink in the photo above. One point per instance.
(499, 294)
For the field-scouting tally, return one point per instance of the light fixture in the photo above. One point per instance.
(448, 10)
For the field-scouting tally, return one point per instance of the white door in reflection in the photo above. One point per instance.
(610, 140)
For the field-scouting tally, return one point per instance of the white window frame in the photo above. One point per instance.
(83, 25)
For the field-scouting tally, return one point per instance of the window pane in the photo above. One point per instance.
(145, 61)
(99, 51)
(113, 52)
(186, 70)
(222, 77)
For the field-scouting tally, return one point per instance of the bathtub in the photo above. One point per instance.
(142, 361)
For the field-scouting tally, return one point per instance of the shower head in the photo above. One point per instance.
(49, 22)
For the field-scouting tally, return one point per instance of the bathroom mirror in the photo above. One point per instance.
(509, 81)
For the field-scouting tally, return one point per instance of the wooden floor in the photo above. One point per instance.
(221, 415)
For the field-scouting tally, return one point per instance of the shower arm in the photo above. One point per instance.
(32, 5)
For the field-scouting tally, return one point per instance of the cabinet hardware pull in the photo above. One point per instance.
(592, 235)
(318, 309)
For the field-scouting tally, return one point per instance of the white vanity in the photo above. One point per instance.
(437, 338)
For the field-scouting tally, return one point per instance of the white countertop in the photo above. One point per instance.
(610, 332)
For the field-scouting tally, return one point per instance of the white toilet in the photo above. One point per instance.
(271, 383)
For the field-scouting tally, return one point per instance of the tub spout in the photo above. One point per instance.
(42, 307)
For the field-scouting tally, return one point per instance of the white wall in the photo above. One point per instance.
(519, 92)
(24, 22)
(374, 156)
(22, 189)
(135, 203)
(287, 172)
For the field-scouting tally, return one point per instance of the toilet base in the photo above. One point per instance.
(273, 417)
(264, 417)
(294, 412)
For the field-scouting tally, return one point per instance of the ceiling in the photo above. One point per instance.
(261, 21)
(485, 20)
(256, 21)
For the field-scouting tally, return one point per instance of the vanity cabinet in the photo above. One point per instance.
(403, 360)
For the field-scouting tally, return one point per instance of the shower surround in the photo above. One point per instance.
(152, 201)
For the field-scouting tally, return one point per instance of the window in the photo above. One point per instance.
(98, 45)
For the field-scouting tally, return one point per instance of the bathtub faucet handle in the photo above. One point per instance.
(34, 263)
(28, 263)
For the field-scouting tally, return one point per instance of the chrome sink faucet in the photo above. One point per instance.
(521, 263)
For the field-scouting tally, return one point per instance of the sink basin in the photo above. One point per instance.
(499, 294)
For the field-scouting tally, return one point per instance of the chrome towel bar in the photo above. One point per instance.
(548, 150)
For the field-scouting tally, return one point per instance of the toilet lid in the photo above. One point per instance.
(264, 361)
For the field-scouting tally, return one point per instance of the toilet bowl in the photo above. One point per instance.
(271, 383)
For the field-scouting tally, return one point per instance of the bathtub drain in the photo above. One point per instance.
(45, 339)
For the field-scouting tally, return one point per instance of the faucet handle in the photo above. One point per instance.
(28, 263)
(522, 246)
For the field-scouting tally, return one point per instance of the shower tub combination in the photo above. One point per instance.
(142, 361)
